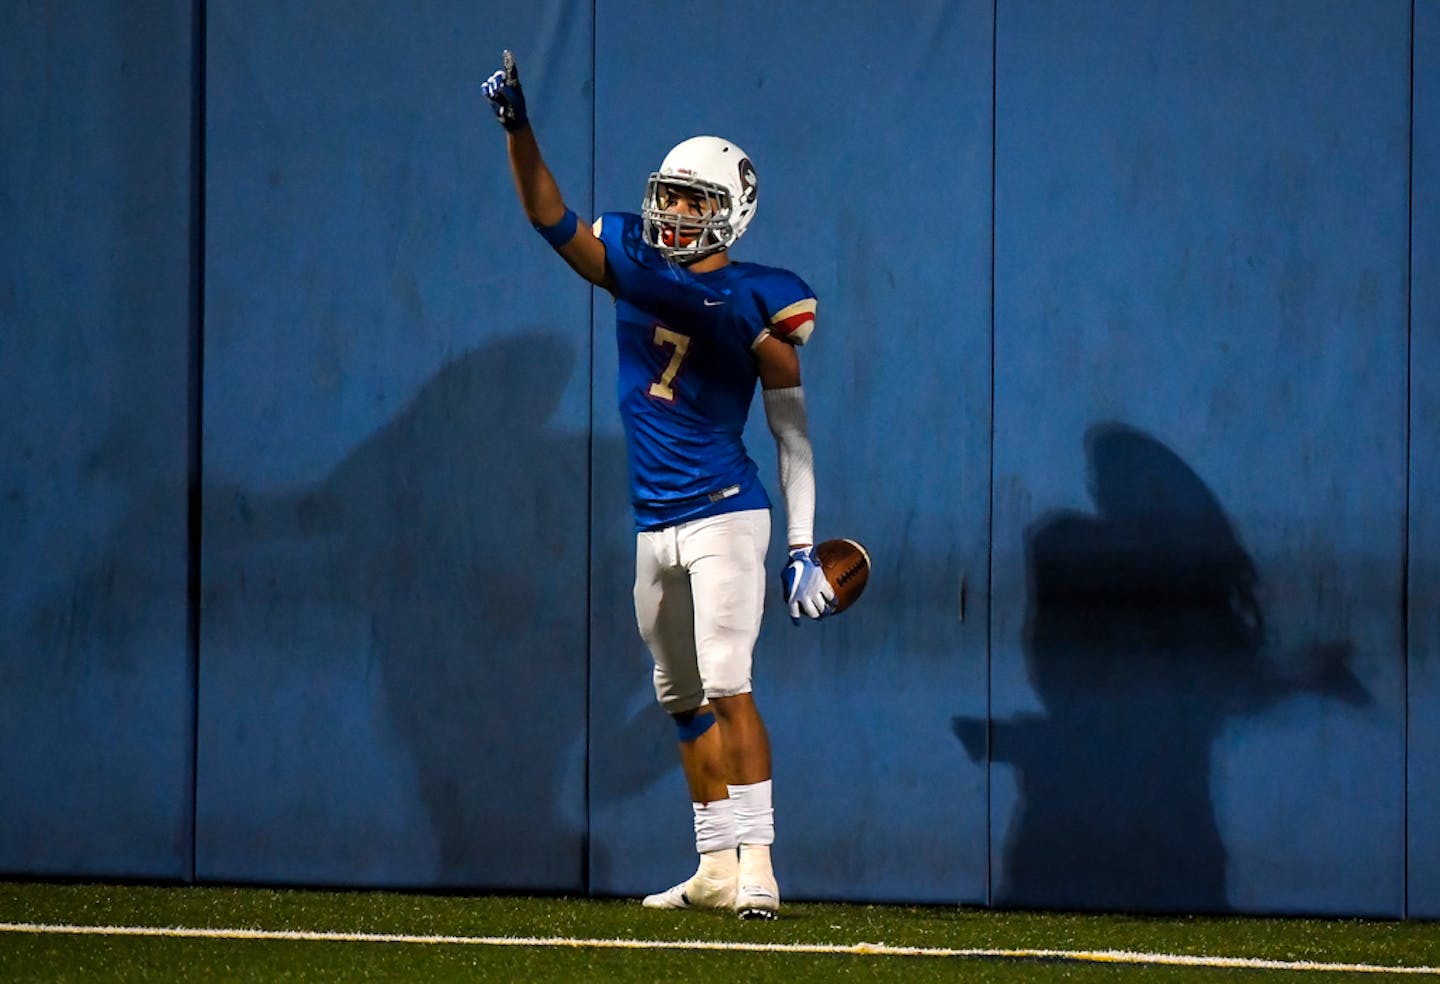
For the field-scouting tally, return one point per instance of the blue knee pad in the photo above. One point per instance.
(695, 727)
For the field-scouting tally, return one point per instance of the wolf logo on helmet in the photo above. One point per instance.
(717, 174)
(748, 180)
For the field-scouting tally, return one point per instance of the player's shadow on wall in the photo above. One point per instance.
(436, 569)
(1143, 635)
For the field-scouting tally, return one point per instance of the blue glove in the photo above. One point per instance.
(503, 91)
(806, 589)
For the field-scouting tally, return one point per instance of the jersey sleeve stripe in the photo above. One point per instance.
(793, 323)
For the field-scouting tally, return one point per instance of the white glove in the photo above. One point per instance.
(806, 589)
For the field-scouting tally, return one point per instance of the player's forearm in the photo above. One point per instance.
(785, 412)
(539, 194)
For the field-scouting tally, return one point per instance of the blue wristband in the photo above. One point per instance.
(562, 232)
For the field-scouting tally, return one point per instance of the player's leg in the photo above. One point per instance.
(702, 754)
(664, 612)
(757, 894)
(746, 747)
(726, 558)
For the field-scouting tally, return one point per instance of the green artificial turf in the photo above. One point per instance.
(57, 957)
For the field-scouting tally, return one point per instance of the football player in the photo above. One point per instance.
(695, 332)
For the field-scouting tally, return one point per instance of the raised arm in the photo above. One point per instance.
(536, 187)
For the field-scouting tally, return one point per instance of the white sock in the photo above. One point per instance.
(715, 828)
(754, 814)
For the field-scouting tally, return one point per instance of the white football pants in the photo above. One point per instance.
(699, 597)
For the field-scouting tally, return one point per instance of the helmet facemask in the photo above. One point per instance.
(681, 237)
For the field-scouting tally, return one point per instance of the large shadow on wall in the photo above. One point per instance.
(1143, 635)
(425, 587)
(451, 538)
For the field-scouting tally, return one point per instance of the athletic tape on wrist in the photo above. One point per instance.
(562, 232)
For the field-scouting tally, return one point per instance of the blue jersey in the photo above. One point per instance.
(687, 372)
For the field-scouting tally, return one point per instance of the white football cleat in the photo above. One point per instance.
(711, 887)
(757, 896)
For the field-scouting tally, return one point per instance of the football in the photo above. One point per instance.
(847, 567)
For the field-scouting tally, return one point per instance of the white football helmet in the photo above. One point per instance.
(721, 176)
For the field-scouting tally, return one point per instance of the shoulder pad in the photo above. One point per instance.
(794, 322)
(787, 302)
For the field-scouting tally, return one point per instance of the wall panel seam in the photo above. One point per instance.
(1409, 466)
(990, 507)
(196, 394)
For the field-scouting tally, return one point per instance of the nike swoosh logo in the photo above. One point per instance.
(710, 303)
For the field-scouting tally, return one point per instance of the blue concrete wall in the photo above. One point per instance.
(1200, 370)
(95, 351)
(874, 796)
(1197, 681)
(1424, 570)
(392, 674)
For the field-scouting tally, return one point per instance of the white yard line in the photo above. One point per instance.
(855, 949)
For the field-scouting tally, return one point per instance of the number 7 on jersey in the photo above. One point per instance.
(661, 389)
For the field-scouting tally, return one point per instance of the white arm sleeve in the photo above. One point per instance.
(785, 410)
